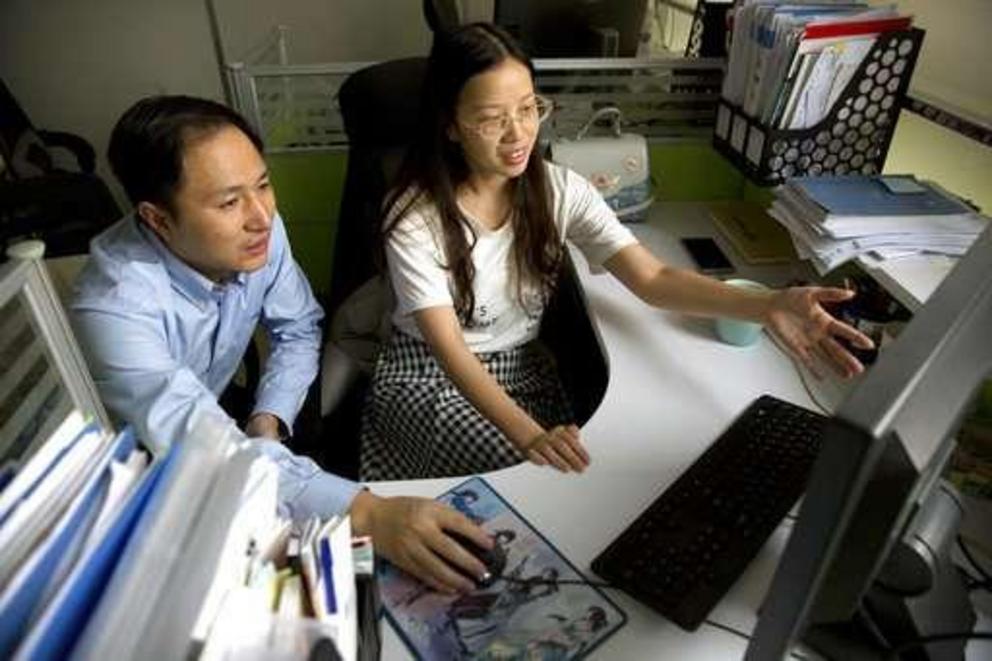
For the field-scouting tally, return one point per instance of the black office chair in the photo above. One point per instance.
(441, 15)
(63, 204)
(379, 105)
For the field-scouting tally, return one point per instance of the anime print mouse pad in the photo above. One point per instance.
(537, 609)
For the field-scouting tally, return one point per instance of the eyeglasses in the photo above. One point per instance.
(531, 113)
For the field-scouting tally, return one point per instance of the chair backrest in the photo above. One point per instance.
(442, 15)
(21, 147)
(379, 105)
(39, 199)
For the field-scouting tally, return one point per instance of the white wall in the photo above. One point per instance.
(75, 65)
(326, 30)
(954, 69)
(957, 50)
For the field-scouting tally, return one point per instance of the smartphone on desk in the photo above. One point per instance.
(708, 256)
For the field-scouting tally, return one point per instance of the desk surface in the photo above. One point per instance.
(673, 388)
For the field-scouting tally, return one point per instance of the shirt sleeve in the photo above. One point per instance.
(416, 266)
(291, 317)
(590, 223)
(304, 489)
(142, 385)
(139, 381)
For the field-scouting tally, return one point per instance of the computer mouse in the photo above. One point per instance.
(494, 560)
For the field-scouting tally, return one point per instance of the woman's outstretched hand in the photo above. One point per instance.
(796, 316)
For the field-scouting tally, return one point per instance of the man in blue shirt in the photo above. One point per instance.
(170, 299)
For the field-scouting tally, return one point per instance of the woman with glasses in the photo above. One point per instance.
(474, 234)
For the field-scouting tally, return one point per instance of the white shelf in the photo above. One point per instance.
(910, 280)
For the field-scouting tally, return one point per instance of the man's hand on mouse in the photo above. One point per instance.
(410, 533)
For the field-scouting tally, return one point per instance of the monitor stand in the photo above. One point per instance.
(919, 592)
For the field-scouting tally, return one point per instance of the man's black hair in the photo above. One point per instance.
(148, 141)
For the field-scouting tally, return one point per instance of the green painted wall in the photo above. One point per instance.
(688, 171)
(308, 189)
(309, 185)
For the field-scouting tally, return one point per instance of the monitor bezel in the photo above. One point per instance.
(882, 453)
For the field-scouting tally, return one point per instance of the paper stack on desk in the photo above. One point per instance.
(833, 219)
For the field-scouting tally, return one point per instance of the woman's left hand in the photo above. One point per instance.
(797, 318)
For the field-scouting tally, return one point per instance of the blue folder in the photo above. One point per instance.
(62, 628)
(25, 590)
(856, 195)
(63, 620)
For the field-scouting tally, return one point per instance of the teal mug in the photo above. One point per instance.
(736, 331)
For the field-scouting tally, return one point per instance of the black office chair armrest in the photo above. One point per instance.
(569, 331)
(81, 149)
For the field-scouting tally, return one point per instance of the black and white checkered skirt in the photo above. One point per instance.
(417, 424)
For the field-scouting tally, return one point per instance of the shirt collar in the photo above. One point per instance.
(183, 277)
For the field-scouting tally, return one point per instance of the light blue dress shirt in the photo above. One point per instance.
(163, 341)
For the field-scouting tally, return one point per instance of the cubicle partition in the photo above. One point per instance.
(295, 106)
(671, 101)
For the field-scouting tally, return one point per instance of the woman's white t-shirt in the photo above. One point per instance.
(416, 260)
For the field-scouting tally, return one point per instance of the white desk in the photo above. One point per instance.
(673, 388)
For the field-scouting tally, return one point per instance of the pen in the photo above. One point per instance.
(327, 569)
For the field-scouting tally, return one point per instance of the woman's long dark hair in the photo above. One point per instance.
(434, 168)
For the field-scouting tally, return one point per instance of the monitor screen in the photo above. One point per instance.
(883, 452)
(566, 28)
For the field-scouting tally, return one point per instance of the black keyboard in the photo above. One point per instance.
(686, 550)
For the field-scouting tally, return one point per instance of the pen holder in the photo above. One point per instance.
(853, 138)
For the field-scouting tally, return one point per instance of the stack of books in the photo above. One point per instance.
(789, 63)
(834, 219)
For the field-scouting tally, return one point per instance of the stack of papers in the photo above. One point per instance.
(833, 219)
(790, 62)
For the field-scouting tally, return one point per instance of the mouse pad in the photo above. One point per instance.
(527, 613)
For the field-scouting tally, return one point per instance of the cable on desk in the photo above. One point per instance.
(802, 375)
(610, 586)
(561, 581)
(898, 650)
(746, 636)
(980, 585)
(985, 576)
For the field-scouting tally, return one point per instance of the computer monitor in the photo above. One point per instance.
(844, 582)
(566, 28)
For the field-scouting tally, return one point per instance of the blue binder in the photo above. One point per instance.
(51, 632)
(26, 588)
(64, 622)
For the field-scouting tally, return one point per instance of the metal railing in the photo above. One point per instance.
(295, 107)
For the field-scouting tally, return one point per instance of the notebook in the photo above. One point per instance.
(532, 615)
(754, 234)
